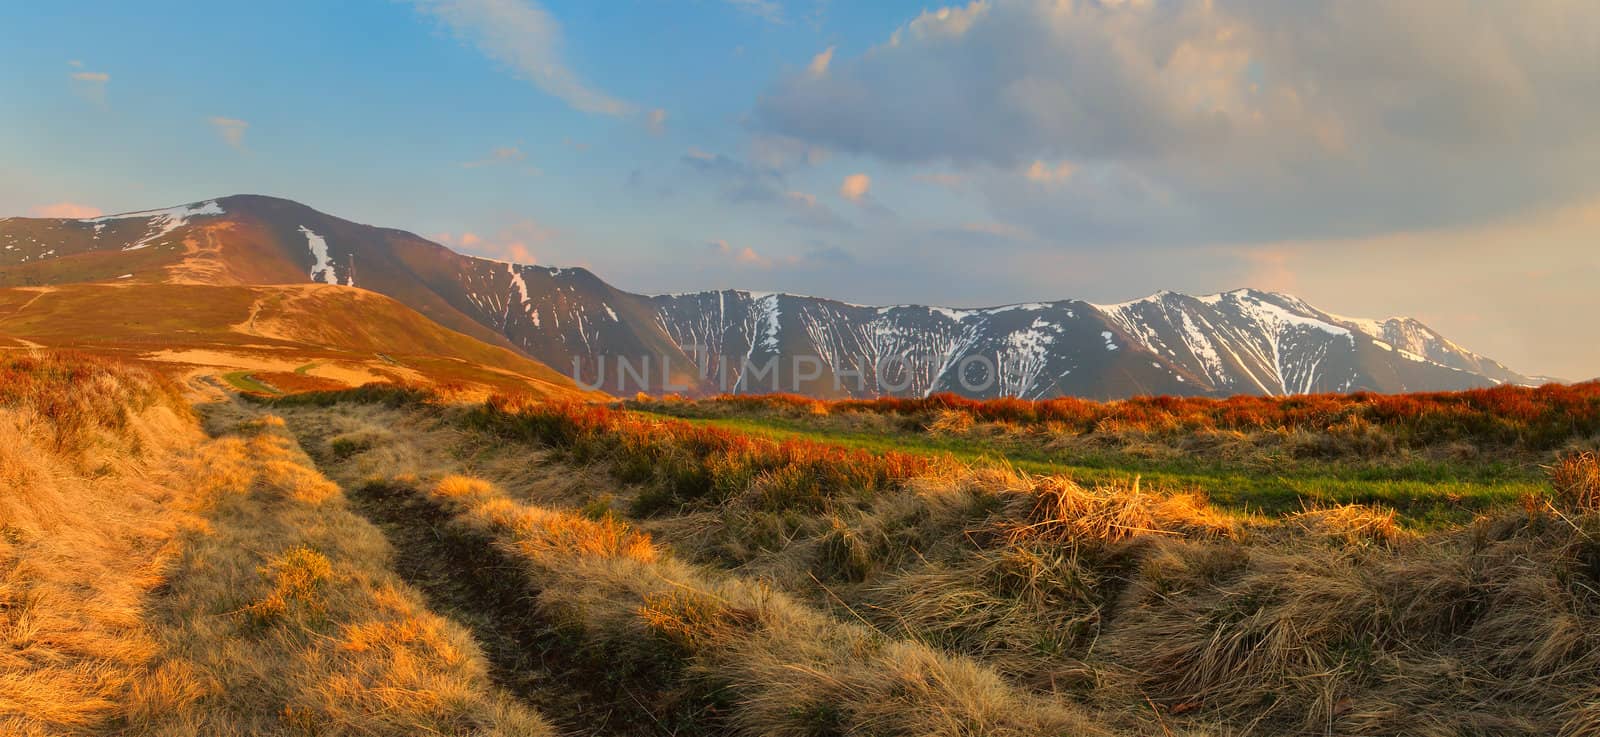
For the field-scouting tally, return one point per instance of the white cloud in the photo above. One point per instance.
(231, 130)
(524, 37)
(855, 187)
(655, 121)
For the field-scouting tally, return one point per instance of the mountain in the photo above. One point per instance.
(198, 286)
(1240, 342)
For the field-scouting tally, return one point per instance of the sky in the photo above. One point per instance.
(1431, 158)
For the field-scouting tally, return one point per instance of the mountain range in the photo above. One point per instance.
(570, 320)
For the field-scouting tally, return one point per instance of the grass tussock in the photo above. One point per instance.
(1351, 524)
(1576, 480)
(1055, 509)
(703, 643)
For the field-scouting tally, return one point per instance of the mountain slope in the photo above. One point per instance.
(1244, 341)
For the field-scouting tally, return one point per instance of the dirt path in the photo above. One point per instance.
(465, 578)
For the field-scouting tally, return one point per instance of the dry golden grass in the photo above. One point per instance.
(1576, 479)
(283, 617)
(779, 667)
(88, 514)
(157, 582)
(1351, 524)
(967, 602)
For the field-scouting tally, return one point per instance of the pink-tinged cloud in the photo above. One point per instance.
(71, 210)
(514, 243)
(1042, 173)
(745, 256)
(855, 187)
(819, 63)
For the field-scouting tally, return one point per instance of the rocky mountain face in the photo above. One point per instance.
(1240, 342)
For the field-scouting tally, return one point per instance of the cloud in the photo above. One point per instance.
(782, 152)
(516, 242)
(231, 130)
(90, 86)
(70, 210)
(1217, 121)
(655, 121)
(500, 155)
(767, 10)
(805, 211)
(745, 256)
(1000, 230)
(735, 180)
(523, 36)
(948, 180)
(1041, 173)
(743, 183)
(819, 63)
(855, 187)
(823, 256)
(817, 258)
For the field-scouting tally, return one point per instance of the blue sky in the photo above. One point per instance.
(1425, 158)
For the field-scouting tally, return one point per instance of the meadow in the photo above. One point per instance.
(753, 583)
(179, 559)
(1437, 459)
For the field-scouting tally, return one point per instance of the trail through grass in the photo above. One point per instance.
(243, 381)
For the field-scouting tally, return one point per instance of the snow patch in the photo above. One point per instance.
(162, 222)
(322, 269)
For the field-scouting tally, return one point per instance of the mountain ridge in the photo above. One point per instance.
(1240, 341)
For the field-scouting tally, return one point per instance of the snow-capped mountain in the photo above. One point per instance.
(1239, 342)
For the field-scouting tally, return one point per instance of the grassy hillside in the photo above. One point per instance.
(283, 338)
